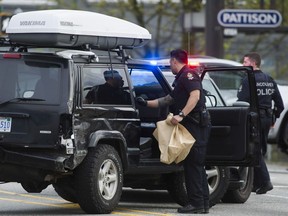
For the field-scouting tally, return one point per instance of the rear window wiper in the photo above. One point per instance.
(21, 99)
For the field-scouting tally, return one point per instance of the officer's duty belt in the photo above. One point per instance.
(195, 116)
(266, 112)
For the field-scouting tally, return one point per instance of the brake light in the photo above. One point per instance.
(12, 55)
(193, 64)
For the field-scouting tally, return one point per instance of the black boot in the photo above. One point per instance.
(265, 188)
(189, 209)
(206, 207)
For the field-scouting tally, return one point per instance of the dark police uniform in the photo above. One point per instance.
(267, 92)
(198, 124)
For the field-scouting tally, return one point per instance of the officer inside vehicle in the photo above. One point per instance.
(111, 92)
(267, 91)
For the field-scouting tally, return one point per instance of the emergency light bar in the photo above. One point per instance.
(73, 28)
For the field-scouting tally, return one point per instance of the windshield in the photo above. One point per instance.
(38, 81)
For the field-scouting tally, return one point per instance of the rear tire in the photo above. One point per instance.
(242, 194)
(65, 188)
(34, 187)
(177, 189)
(99, 180)
(218, 181)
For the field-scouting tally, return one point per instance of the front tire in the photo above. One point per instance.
(99, 180)
(218, 182)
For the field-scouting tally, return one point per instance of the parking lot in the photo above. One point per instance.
(76, 128)
(15, 201)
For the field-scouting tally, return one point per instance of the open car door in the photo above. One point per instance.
(235, 133)
(234, 139)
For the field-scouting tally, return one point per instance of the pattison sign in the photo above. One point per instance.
(249, 18)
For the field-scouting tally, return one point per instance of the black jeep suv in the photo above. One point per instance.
(50, 133)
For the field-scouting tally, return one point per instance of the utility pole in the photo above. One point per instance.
(213, 30)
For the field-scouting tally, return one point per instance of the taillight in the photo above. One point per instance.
(12, 55)
(193, 64)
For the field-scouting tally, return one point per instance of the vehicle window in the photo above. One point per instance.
(169, 76)
(227, 80)
(103, 85)
(146, 84)
(213, 97)
(228, 84)
(30, 79)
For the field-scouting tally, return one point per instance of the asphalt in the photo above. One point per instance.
(277, 167)
(276, 160)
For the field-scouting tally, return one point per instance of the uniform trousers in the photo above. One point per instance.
(261, 174)
(194, 166)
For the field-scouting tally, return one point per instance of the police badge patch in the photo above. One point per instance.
(190, 76)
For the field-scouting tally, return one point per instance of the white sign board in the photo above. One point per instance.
(249, 18)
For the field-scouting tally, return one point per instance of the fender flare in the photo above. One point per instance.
(109, 136)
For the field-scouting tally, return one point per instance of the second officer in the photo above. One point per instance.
(267, 92)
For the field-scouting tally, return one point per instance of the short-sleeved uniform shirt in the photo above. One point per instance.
(186, 81)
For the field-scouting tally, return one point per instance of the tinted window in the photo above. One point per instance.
(146, 84)
(103, 85)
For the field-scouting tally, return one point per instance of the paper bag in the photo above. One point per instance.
(174, 141)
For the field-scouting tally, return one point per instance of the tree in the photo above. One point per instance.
(162, 18)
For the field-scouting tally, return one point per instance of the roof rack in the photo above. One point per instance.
(65, 52)
(4, 41)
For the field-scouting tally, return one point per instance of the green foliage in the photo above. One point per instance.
(191, 5)
(71, 4)
(161, 18)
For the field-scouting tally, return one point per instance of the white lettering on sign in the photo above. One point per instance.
(31, 23)
(249, 18)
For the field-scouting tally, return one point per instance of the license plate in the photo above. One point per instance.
(5, 124)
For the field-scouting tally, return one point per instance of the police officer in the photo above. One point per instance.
(190, 111)
(267, 92)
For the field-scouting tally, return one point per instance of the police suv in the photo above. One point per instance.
(49, 134)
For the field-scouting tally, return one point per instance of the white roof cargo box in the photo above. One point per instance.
(74, 28)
